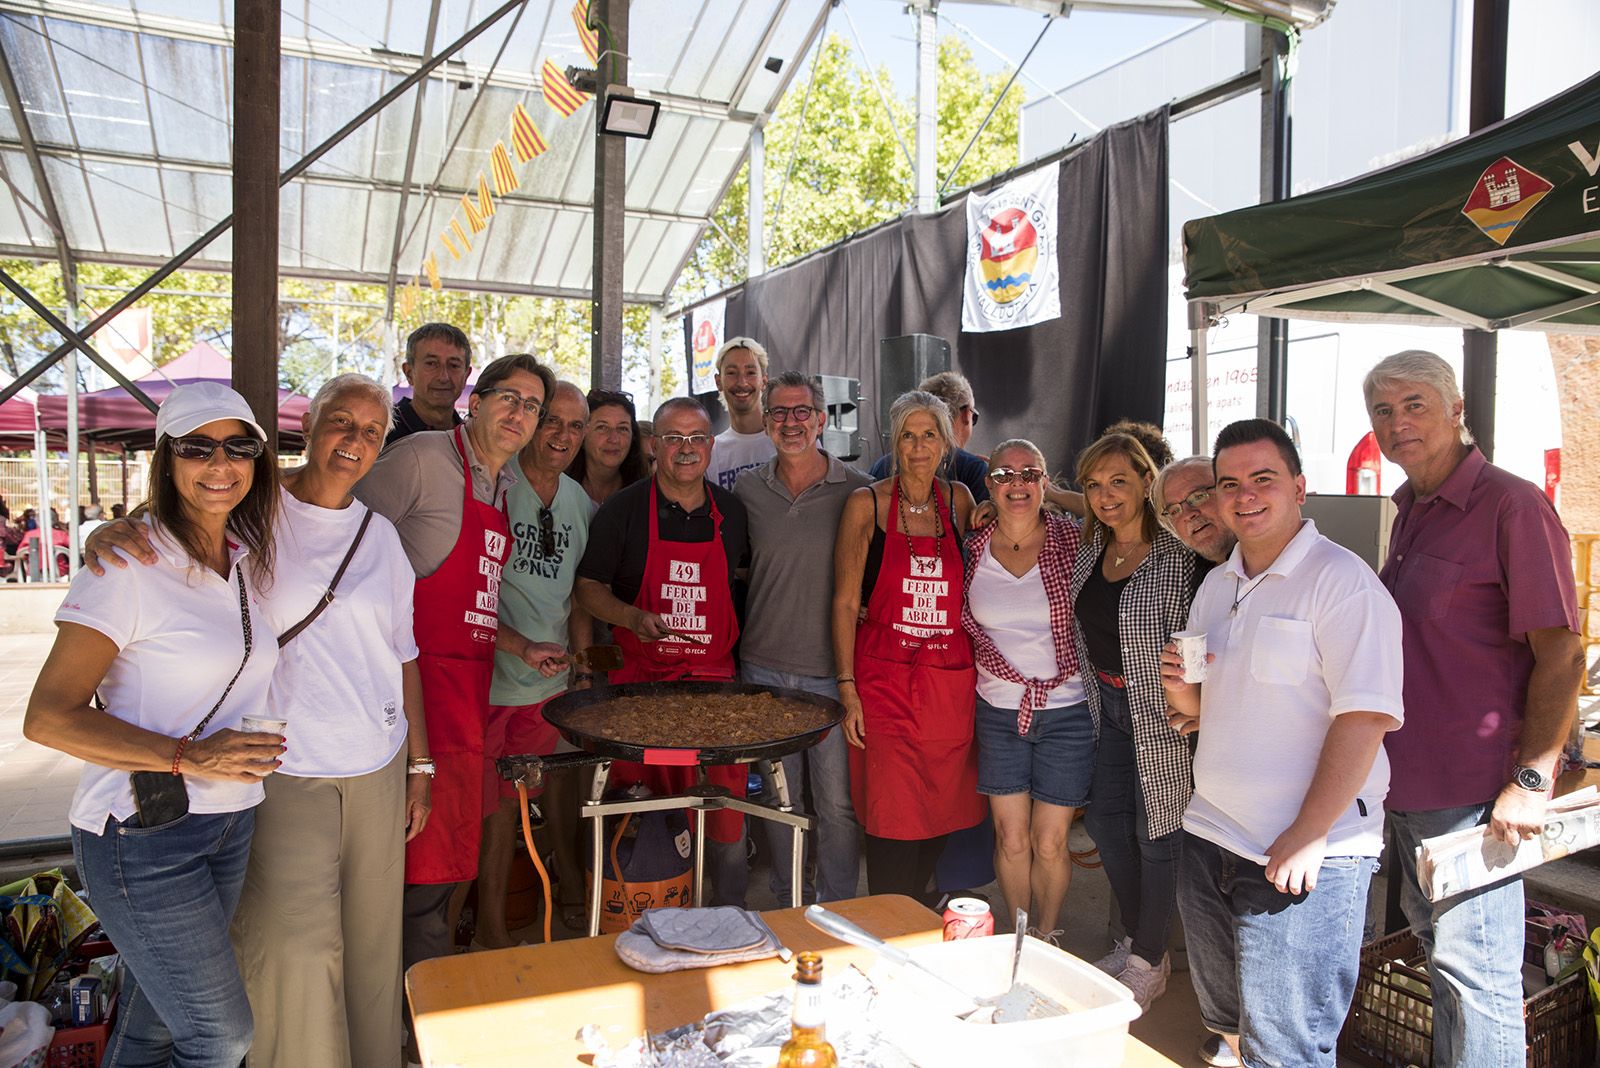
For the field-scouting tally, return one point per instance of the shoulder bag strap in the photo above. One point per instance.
(244, 617)
(327, 598)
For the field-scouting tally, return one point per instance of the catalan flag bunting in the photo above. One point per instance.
(558, 92)
(408, 300)
(505, 179)
(431, 265)
(485, 201)
(474, 220)
(461, 235)
(444, 235)
(589, 39)
(525, 135)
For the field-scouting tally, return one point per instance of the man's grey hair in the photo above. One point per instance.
(450, 334)
(949, 387)
(917, 400)
(1416, 365)
(1158, 487)
(340, 385)
(794, 380)
(673, 404)
(750, 343)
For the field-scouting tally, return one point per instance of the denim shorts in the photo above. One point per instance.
(1053, 762)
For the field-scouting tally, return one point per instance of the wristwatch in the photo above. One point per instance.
(1531, 779)
(421, 767)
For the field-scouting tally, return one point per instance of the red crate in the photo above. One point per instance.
(80, 1047)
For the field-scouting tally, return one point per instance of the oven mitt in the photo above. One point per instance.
(671, 940)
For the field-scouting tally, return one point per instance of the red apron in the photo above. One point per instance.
(454, 619)
(918, 775)
(690, 585)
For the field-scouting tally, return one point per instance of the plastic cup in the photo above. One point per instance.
(1192, 648)
(262, 725)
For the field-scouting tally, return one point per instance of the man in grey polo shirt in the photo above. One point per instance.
(794, 501)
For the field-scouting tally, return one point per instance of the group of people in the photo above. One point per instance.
(394, 614)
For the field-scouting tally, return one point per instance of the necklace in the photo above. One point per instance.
(919, 564)
(915, 509)
(1119, 557)
(1016, 544)
(1238, 598)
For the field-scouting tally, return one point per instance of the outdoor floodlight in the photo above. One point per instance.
(627, 115)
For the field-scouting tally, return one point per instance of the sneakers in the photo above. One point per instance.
(1145, 980)
(1216, 1052)
(1052, 937)
(1113, 963)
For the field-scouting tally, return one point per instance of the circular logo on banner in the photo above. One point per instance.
(1012, 237)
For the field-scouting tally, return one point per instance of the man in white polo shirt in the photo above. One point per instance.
(1286, 822)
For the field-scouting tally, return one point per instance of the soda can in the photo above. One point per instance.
(967, 917)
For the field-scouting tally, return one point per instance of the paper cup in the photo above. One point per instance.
(262, 725)
(1192, 648)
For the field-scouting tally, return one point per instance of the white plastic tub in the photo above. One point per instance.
(918, 1014)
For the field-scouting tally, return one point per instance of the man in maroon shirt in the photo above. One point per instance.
(1481, 568)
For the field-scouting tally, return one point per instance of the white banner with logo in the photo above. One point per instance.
(706, 332)
(1012, 277)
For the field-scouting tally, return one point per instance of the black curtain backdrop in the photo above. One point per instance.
(1058, 383)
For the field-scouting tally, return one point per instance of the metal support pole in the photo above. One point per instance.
(656, 323)
(610, 185)
(1199, 406)
(597, 824)
(1480, 349)
(74, 340)
(699, 858)
(41, 459)
(256, 64)
(927, 105)
(1272, 334)
(756, 209)
(71, 503)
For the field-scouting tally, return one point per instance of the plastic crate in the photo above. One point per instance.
(80, 1047)
(1391, 1017)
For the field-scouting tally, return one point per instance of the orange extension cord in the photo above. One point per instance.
(527, 838)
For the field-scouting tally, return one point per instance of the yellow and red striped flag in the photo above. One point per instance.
(461, 235)
(525, 136)
(589, 39)
(408, 299)
(485, 201)
(431, 265)
(444, 235)
(505, 178)
(474, 220)
(558, 92)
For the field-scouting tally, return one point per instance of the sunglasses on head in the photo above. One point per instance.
(1004, 476)
(200, 447)
(600, 397)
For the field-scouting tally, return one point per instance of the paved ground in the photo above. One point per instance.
(36, 783)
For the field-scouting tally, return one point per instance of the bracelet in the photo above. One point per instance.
(177, 757)
(413, 761)
(845, 678)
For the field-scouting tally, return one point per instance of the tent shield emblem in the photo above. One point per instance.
(1504, 195)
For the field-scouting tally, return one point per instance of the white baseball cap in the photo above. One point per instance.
(190, 407)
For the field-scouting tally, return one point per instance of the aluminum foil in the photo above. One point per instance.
(750, 1034)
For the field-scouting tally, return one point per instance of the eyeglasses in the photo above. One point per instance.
(1194, 500)
(798, 413)
(974, 412)
(511, 400)
(547, 532)
(694, 441)
(1004, 476)
(200, 447)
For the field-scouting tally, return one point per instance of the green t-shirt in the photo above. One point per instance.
(536, 590)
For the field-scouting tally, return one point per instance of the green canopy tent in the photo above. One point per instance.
(1496, 231)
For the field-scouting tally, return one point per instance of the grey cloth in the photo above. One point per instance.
(788, 622)
(416, 485)
(672, 940)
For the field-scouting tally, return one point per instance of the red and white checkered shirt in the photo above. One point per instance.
(1061, 538)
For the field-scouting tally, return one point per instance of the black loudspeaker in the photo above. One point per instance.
(841, 434)
(903, 362)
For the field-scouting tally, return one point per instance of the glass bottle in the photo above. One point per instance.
(808, 1042)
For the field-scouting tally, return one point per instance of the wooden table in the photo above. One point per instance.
(523, 1007)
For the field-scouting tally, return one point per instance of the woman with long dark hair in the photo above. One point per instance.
(612, 455)
(152, 673)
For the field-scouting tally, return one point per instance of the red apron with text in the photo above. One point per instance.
(454, 620)
(691, 586)
(918, 775)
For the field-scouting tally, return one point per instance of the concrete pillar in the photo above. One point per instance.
(255, 206)
(1272, 335)
(610, 178)
(927, 186)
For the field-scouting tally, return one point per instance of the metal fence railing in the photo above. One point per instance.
(118, 481)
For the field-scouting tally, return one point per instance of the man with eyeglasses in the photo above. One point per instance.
(445, 494)
(549, 519)
(1184, 493)
(787, 641)
(659, 568)
(438, 358)
(961, 465)
(741, 379)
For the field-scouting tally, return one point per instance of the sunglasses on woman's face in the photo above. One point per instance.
(1004, 476)
(200, 447)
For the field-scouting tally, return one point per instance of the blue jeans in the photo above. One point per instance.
(1143, 871)
(1278, 970)
(1474, 946)
(166, 896)
(836, 841)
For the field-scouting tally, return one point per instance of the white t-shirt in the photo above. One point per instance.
(179, 640)
(1318, 637)
(338, 682)
(733, 453)
(1015, 613)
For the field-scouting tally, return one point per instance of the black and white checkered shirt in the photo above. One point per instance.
(1154, 603)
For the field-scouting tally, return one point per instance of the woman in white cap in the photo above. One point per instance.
(178, 654)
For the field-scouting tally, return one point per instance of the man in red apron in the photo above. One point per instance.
(659, 568)
(445, 491)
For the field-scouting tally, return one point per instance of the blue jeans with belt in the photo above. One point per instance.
(166, 896)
